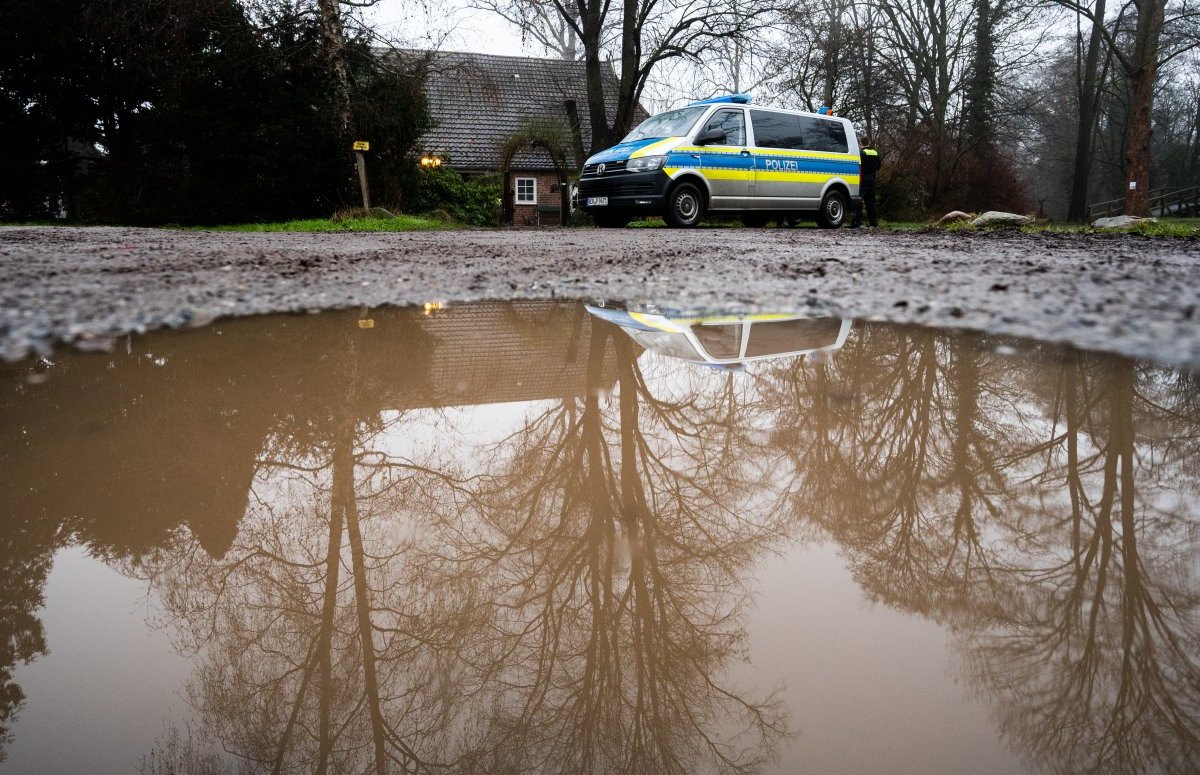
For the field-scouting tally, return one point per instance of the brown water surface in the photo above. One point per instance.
(517, 537)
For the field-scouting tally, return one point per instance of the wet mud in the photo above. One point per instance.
(1119, 293)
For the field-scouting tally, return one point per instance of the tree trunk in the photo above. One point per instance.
(343, 480)
(1137, 141)
(833, 47)
(631, 56)
(333, 46)
(592, 26)
(597, 114)
(576, 134)
(1088, 96)
(1194, 159)
(980, 87)
(362, 603)
(868, 75)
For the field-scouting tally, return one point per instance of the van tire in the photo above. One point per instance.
(611, 220)
(685, 206)
(833, 210)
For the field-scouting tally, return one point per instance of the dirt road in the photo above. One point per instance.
(1122, 293)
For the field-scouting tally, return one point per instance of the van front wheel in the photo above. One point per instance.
(833, 210)
(685, 206)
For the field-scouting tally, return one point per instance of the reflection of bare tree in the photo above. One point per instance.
(1098, 670)
(895, 544)
(322, 646)
(620, 550)
(1045, 512)
(26, 548)
(566, 600)
(399, 597)
(895, 452)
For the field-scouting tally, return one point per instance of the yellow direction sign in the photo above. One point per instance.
(362, 145)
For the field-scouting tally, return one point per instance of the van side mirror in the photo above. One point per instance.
(710, 136)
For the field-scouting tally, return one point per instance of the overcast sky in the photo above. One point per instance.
(449, 25)
(463, 29)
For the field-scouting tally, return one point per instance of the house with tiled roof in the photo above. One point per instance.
(480, 102)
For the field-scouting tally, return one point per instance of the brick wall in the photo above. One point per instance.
(529, 215)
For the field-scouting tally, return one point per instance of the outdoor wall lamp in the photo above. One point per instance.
(430, 161)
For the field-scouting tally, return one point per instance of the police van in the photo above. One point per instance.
(725, 155)
(726, 341)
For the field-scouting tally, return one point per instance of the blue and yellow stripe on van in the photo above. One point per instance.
(718, 320)
(771, 167)
(650, 146)
(655, 148)
(764, 165)
(713, 163)
(643, 321)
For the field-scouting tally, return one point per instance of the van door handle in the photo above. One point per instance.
(695, 156)
(745, 152)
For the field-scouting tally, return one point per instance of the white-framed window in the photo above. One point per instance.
(526, 191)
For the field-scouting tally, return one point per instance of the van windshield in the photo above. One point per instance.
(673, 123)
(665, 343)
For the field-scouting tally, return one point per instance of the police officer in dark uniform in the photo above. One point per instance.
(870, 162)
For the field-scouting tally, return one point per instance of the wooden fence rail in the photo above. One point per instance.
(1163, 202)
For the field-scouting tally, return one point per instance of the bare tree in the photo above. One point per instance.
(1142, 67)
(1162, 30)
(640, 35)
(1088, 87)
(542, 21)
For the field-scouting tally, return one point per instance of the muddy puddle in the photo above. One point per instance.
(547, 537)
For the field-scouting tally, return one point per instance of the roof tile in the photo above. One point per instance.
(479, 101)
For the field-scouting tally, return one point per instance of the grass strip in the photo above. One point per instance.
(399, 223)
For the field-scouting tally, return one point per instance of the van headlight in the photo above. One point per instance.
(646, 163)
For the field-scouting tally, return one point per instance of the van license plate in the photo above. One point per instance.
(597, 201)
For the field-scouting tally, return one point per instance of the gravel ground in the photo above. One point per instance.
(1120, 293)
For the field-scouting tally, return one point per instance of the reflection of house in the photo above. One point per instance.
(125, 447)
(480, 102)
(497, 352)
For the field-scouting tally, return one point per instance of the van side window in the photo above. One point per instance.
(776, 130)
(720, 341)
(770, 337)
(733, 122)
(821, 134)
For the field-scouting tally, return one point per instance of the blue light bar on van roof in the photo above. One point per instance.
(740, 99)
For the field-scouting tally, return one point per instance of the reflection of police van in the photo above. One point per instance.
(728, 340)
(726, 155)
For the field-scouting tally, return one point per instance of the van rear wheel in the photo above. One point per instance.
(685, 206)
(833, 210)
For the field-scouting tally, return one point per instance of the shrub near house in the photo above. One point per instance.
(474, 201)
(480, 103)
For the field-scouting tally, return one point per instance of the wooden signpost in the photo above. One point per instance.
(360, 146)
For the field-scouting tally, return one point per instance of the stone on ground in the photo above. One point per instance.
(954, 216)
(1121, 222)
(998, 218)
